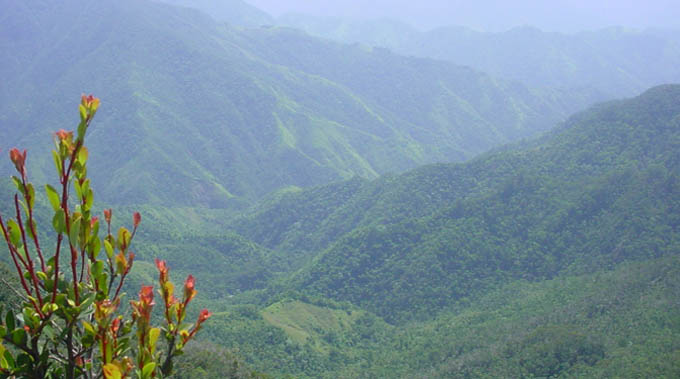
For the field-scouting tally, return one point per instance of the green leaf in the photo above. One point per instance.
(57, 161)
(148, 369)
(108, 248)
(62, 300)
(48, 331)
(9, 359)
(29, 230)
(83, 155)
(79, 190)
(9, 320)
(103, 284)
(88, 328)
(153, 338)
(75, 229)
(97, 268)
(123, 238)
(90, 199)
(88, 300)
(59, 221)
(53, 307)
(3, 361)
(111, 371)
(17, 183)
(41, 275)
(108, 355)
(82, 128)
(19, 336)
(31, 318)
(94, 247)
(83, 112)
(53, 196)
(31, 195)
(121, 263)
(87, 340)
(49, 285)
(46, 308)
(14, 232)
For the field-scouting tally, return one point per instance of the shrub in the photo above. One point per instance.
(69, 323)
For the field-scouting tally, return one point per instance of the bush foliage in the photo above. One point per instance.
(70, 322)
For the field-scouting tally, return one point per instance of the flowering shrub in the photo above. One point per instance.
(69, 324)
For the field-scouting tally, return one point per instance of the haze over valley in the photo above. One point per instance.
(376, 190)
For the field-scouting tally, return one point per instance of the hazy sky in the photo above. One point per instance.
(494, 15)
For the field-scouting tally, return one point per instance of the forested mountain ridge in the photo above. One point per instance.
(616, 61)
(552, 257)
(196, 112)
(234, 12)
(601, 189)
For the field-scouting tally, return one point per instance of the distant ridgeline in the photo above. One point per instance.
(196, 112)
(550, 257)
(614, 61)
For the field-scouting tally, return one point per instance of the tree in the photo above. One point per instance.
(70, 323)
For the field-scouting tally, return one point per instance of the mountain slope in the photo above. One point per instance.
(618, 323)
(615, 61)
(602, 189)
(234, 12)
(195, 112)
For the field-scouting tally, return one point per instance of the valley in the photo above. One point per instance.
(365, 199)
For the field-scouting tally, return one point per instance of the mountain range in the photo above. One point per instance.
(425, 239)
(413, 257)
(352, 212)
(196, 112)
(614, 61)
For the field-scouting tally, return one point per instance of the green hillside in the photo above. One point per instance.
(234, 12)
(601, 189)
(553, 257)
(620, 323)
(615, 61)
(196, 112)
(285, 172)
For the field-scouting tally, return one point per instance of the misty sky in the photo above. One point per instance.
(494, 15)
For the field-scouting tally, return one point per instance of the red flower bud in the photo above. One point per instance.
(142, 308)
(63, 135)
(163, 269)
(190, 283)
(107, 215)
(204, 315)
(18, 159)
(189, 290)
(89, 101)
(93, 221)
(115, 325)
(136, 219)
(146, 295)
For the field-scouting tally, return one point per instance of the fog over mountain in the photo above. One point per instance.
(385, 189)
(494, 15)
